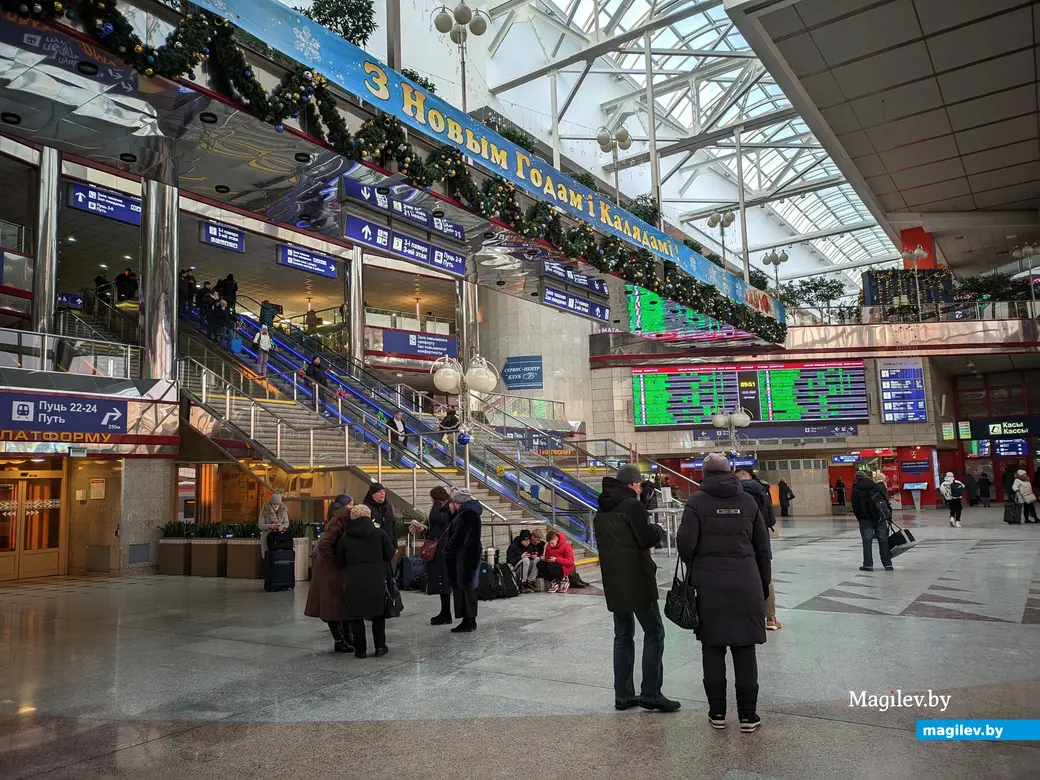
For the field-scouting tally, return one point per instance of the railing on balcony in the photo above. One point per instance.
(956, 311)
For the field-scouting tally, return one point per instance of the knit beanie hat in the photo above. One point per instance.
(713, 462)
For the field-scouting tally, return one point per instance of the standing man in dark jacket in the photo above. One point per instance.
(463, 552)
(365, 554)
(382, 511)
(625, 536)
(267, 313)
(760, 493)
(723, 538)
(865, 495)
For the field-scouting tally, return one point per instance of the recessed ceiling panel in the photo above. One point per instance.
(883, 71)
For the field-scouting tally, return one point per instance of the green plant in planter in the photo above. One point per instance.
(245, 531)
(298, 530)
(177, 529)
(211, 531)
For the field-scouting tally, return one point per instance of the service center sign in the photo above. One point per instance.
(413, 343)
(29, 417)
(222, 236)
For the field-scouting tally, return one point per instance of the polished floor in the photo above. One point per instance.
(164, 677)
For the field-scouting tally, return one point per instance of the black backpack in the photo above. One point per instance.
(489, 582)
(880, 509)
(507, 579)
(411, 573)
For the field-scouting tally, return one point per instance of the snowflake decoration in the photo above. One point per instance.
(306, 43)
(219, 5)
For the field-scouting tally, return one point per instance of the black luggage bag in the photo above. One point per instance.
(1012, 515)
(280, 570)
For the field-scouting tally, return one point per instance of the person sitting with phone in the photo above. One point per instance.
(557, 562)
(523, 557)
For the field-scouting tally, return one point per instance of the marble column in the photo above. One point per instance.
(148, 502)
(46, 239)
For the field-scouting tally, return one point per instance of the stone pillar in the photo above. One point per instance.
(355, 299)
(148, 502)
(46, 239)
(160, 228)
(517, 327)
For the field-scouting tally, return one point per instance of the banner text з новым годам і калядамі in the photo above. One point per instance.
(362, 75)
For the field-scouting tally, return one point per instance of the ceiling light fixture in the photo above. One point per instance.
(223, 189)
(71, 239)
(127, 157)
(127, 257)
(87, 68)
(103, 265)
(302, 157)
(10, 118)
(208, 117)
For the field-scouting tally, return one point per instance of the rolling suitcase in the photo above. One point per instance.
(1011, 514)
(280, 570)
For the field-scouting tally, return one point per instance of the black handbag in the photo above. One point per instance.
(393, 605)
(900, 540)
(680, 605)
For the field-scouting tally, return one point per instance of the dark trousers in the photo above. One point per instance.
(357, 631)
(550, 571)
(745, 674)
(784, 510)
(955, 505)
(1029, 510)
(465, 602)
(868, 530)
(649, 617)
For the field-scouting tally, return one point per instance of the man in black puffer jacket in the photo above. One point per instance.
(625, 536)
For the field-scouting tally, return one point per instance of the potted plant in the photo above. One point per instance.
(243, 552)
(175, 547)
(209, 550)
(302, 549)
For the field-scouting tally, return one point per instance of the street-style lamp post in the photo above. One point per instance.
(730, 421)
(611, 142)
(722, 220)
(450, 377)
(457, 25)
(916, 256)
(775, 260)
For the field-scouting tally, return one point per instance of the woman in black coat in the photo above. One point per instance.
(463, 550)
(437, 524)
(723, 538)
(365, 553)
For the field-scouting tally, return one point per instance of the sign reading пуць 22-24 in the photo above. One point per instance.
(47, 414)
(364, 76)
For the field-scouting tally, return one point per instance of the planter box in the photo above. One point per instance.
(209, 557)
(243, 559)
(302, 548)
(175, 556)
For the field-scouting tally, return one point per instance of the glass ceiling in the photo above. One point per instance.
(697, 90)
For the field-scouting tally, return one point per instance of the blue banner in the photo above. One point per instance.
(407, 248)
(408, 342)
(105, 203)
(575, 305)
(523, 373)
(305, 260)
(978, 730)
(362, 75)
(785, 432)
(846, 460)
(395, 201)
(61, 414)
(565, 273)
(222, 236)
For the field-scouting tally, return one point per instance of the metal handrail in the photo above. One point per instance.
(27, 342)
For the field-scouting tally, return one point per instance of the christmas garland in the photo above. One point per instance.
(201, 37)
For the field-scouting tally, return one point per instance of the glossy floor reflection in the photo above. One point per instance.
(161, 677)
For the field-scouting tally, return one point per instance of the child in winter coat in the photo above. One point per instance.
(557, 563)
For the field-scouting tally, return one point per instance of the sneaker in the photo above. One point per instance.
(866, 568)
(957, 524)
(555, 587)
(565, 586)
(717, 720)
(772, 624)
(625, 704)
(951, 522)
(661, 704)
(750, 723)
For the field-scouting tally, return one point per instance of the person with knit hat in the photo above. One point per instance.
(328, 586)
(463, 551)
(724, 541)
(523, 559)
(382, 510)
(364, 552)
(438, 521)
(873, 510)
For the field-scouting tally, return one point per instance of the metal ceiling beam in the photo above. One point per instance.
(609, 45)
(507, 6)
(790, 192)
(842, 267)
(700, 74)
(837, 230)
(701, 140)
(752, 72)
(558, 25)
(501, 33)
(935, 221)
(574, 91)
(736, 54)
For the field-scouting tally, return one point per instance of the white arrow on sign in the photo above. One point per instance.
(112, 416)
(80, 197)
(365, 191)
(366, 231)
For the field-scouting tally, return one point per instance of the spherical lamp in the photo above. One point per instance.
(1028, 250)
(443, 21)
(463, 13)
(479, 25)
(740, 418)
(720, 420)
(626, 144)
(783, 257)
(714, 220)
(728, 218)
(457, 34)
(446, 379)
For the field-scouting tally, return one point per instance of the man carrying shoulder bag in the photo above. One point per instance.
(872, 510)
(625, 537)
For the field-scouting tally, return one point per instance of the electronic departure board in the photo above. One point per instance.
(657, 318)
(902, 390)
(686, 396)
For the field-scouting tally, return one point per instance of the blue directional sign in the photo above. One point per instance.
(71, 300)
(397, 202)
(383, 238)
(575, 305)
(846, 460)
(903, 397)
(305, 260)
(222, 236)
(105, 203)
(786, 432)
(523, 373)
(406, 342)
(61, 414)
(565, 273)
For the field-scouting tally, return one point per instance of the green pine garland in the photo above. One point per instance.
(204, 37)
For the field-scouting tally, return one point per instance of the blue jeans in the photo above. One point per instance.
(649, 617)
(868, 530)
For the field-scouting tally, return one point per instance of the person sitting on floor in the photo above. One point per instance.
(557, 563)
(523, 559)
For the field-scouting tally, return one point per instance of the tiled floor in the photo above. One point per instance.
(163, 677)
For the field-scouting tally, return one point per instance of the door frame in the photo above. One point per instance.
(21, 477)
